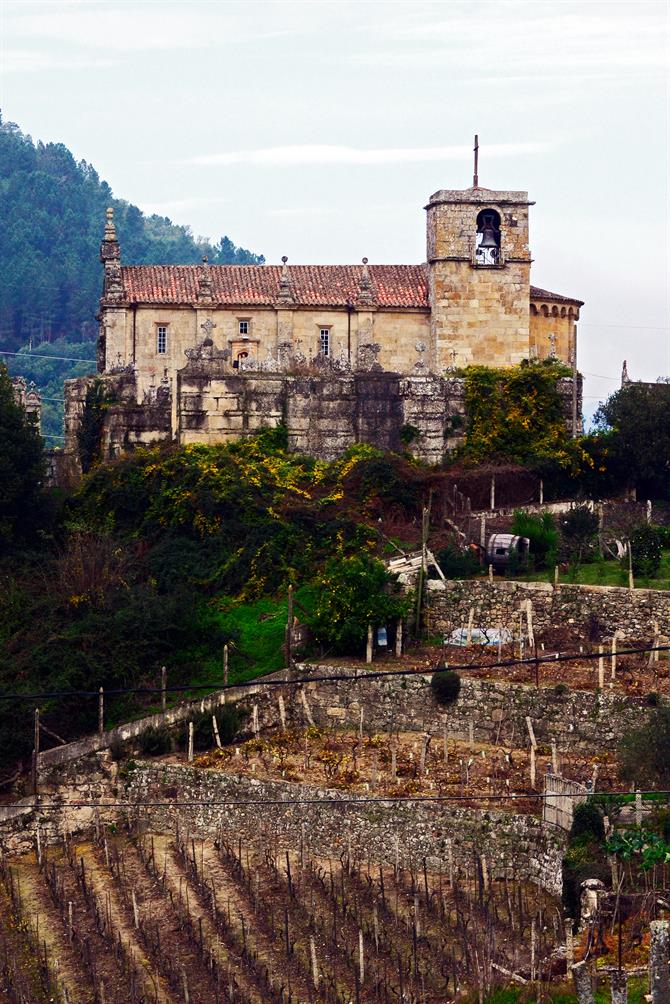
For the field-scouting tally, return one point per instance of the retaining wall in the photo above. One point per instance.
(631, 612)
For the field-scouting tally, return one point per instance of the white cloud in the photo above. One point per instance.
(286, 156)
(295, 211)
(170, 206)
(34, 61)
(133, 27)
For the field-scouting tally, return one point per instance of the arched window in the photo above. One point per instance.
(241, 356)
(488, 238)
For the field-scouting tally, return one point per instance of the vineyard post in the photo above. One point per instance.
(659, 983)
(631, 579)
(289, 630)
(225, 665)
(368, 646)
(215, 729)
(361, 955)
(101, 711)
(554, 757)
(163, 688)
(619, 978)
(556, 576)
(190, 742)
(398, 638)
(613, 656)
(601, 668)
(36, 748)
(282, 711)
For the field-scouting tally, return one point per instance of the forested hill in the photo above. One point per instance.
(52, 211)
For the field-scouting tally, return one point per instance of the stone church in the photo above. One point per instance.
(339, 353)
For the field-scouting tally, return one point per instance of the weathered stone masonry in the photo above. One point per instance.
(631, 612)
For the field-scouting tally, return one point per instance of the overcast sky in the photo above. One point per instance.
(318, 130)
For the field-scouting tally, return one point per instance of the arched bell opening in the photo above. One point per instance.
(487, 246)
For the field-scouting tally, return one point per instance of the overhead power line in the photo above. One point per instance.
(39, 355)
(357, 677)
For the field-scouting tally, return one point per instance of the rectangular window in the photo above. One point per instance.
(324, 341)
(244, 327)
(161, 339)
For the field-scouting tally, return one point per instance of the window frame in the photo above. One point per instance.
(240, 322)
(325, 338)
(161, 333)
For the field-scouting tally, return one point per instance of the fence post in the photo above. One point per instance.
(163, 688)
(659, 983)
(101, 711)
(289, 629)
(368, 647)
(190, 742)
(36, 748)
(225, 665)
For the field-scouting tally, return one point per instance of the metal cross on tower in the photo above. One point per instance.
(475, 179)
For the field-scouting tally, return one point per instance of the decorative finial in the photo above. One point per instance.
(205, 260)
(285, 291)
(110, 229)
(475, 179)
(365, 296)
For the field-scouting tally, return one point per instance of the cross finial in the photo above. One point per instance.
(475, 179)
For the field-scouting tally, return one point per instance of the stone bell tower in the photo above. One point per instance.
(479, 276)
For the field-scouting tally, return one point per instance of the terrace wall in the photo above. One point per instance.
(631, 612)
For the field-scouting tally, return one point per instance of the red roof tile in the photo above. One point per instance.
(312, 285)
(258, 285)
(543, 294)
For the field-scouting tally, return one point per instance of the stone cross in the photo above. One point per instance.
(552, 345)
(208, 327)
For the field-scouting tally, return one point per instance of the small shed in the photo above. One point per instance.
(502, 547)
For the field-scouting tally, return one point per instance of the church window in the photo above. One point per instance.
(244, 327)
(161, 339)
(487, 243)
(324, 341)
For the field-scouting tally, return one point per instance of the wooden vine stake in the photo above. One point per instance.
(225, 665)
(190, 742)
(163, 688)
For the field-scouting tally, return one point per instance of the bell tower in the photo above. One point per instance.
(479, 276)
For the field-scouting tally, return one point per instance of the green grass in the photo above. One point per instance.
(637, 988)
(605, 573)
(259, 649)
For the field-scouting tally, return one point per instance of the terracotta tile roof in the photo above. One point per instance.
(258, 285)
(312, 285)
(543, 294)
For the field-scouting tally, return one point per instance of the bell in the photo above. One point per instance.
(489, 237)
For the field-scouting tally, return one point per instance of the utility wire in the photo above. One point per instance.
(347, 800)
(39, 355)
(357, 677)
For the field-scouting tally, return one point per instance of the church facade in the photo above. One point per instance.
(204, 352)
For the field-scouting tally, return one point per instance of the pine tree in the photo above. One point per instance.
(21, 469)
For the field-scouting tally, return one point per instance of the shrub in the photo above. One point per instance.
(457, 564)
(352, 593)
(645, 543)
(155, 741)
(561, 689)
(542, 534)
(643, 752)
(446, 686)
(579, 528)
(653, 699)
(587, 821)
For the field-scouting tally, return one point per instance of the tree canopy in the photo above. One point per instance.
(636, 424)
(52, 211)
(21, 467)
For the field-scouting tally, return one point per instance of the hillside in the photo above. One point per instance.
(52, 211)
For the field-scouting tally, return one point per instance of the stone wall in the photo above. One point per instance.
(331, 822)
(325, 411)
(630, 612)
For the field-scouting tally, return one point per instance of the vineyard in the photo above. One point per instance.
(167, 919)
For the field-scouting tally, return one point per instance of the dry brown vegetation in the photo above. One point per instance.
(147, 918)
